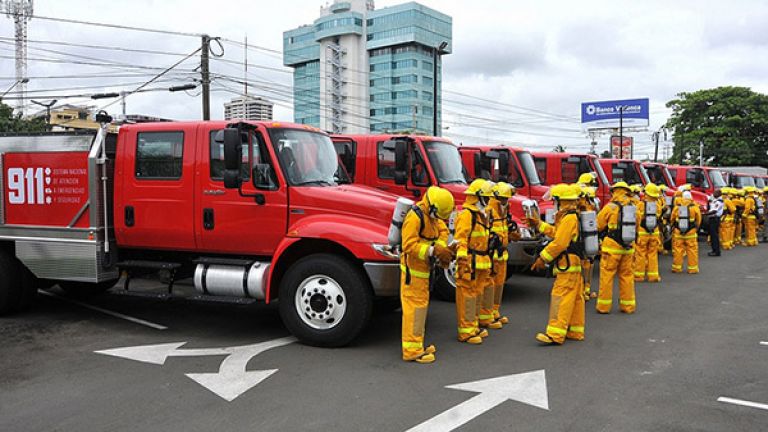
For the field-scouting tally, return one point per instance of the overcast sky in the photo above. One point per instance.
(537, 60)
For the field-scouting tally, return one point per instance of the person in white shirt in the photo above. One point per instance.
(715, 212)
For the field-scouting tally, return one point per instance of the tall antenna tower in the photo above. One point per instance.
(21, 12)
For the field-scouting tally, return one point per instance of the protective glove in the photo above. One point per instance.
(515, 236)
(443, 254)
(463, 266)
(532, 223)
(539, 265)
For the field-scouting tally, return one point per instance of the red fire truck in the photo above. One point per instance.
(254, 210)
(554, 168)
(406, 165)
(511, 164)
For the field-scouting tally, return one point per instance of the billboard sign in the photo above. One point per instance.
(621, 149)
(606, 114)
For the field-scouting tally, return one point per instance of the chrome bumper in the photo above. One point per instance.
(385, 278)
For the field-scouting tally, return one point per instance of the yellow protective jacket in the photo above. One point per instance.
(729, 208)
(472, 234)
(417, 240)
(499, 227)
(750, 207)
(608, 219)
(739, 203)
(694, 215)
(563, 233)
(641, 217)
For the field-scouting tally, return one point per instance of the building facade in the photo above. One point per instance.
(248, 108)
(357, 69)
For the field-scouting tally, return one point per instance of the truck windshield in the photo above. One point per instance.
(446, 161)
(759, 182)
(655, 173)
(625, 171)
(717, 178)
(307, 158)
(529, 168)
(742, 180)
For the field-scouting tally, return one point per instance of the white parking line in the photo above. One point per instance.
(105, 311)
(743, 403)
(763, 343)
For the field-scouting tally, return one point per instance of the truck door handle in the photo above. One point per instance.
(382, 187)
(129, 219)
(208, 218)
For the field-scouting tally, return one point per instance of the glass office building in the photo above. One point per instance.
(358, 69)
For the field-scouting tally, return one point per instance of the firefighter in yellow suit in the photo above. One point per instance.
(666, 211)
(473, 262)
(566, 310)
(685, 243)
(726, 227)
(424, 236)
(616, 255)
(498, 212)
(738, 220)
(647, 248)
(588, 202)
(750, 216)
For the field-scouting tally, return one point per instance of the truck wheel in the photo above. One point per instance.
(10, 287)
(27, 288)
(444, 287)
(86, 289)
(325, 300)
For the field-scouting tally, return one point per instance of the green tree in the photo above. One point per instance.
(11, 123)
(732, 122)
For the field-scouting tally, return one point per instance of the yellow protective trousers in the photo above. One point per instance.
(616, 261)
(738, 227)
(485, 302)
(750, 227)
(647, 257)
(415, 300)
(566, 307)
(685, 245)
(468, 296)
(499, 279)
(586, 268)
(726, 233)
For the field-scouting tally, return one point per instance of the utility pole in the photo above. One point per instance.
(621, 134)
(21, 12)
(656, 150)
(414, 112)
(206, 77)
(47, 111)
(438, 51)
(701, 153)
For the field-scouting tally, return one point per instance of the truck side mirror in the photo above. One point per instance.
(233, 155)
(401, 162)
(504, 166)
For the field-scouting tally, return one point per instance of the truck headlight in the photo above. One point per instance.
(386, 250)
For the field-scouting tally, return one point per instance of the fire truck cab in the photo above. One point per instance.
(250, 210)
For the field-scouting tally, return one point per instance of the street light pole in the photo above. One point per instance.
(47, 111)
(21, 81)
(438, 51)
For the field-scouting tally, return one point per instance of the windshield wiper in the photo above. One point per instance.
(315, 182)
(453, 181)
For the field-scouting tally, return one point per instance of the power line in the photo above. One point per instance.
(117, 26)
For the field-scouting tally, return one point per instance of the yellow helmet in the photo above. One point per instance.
(621, 185)
(662, 187)
(566, 192)
(636, 188)
(441, 201)
(503, 190)
(587, 179)
(590, 191)
(685, 187)
(475, 187)
(765, 189)
(652, 190)
(741, 192)
(750, 189)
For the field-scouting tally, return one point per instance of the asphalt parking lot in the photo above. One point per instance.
(694, 341)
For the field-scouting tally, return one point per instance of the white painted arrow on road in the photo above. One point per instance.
(229, 382)
(529, 388)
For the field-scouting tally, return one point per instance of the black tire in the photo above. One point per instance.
(86, 289)
(10, 283)
(444, 285)
(27, 288)
(338, 275)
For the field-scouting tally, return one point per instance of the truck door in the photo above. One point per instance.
(156, 177)
(383, 177)
(228, 222)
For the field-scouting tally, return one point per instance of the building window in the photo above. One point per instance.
(404, 64)
(427, 81)
(426, 95)
(159, 155)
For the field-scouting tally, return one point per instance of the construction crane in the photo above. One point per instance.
(21, 12)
